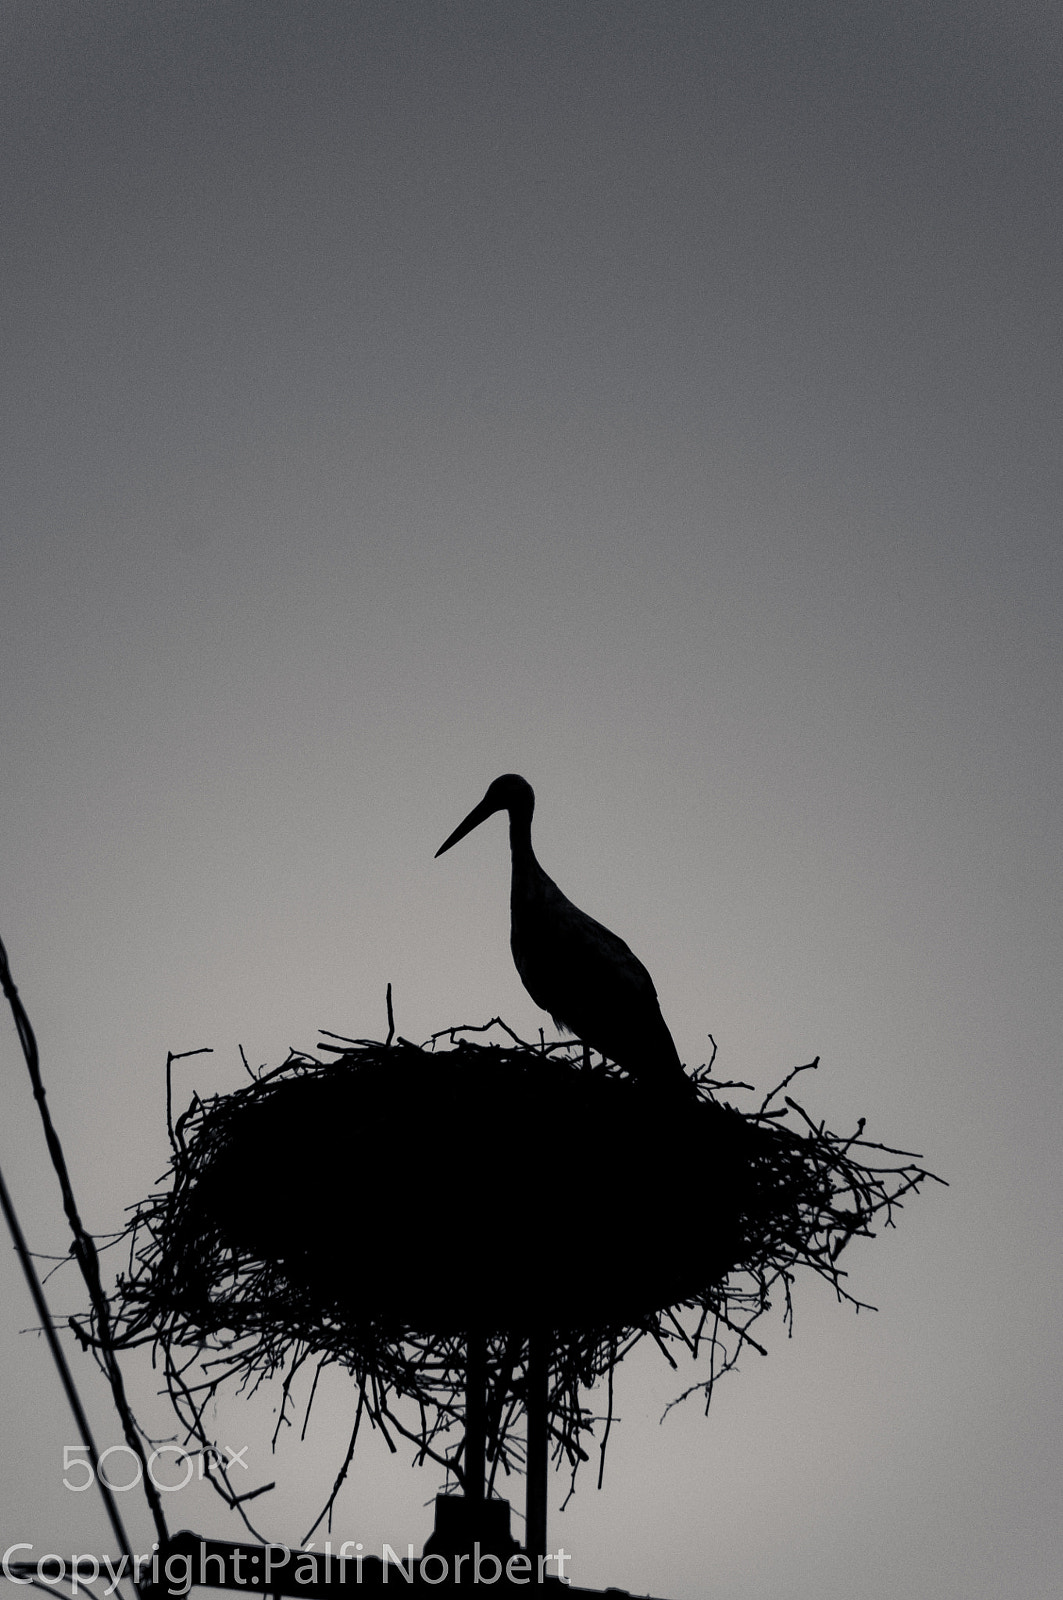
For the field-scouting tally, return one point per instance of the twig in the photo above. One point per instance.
(204, 1050)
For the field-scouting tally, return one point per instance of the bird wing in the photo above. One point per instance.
(589, 980)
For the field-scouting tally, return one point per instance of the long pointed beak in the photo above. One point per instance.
(477, 815)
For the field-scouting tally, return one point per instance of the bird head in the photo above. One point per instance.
(508, 793)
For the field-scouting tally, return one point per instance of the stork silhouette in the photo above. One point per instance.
(581, 973)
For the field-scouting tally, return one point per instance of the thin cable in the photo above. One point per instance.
(84, 1251)
(65, 1375)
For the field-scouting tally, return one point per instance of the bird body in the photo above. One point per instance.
(584, 975)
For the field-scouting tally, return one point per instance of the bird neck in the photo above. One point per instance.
(520, 841)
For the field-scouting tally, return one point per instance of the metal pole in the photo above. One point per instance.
(538, 1452)
(473, 1466)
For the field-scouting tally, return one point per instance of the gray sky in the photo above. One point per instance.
(661, 401)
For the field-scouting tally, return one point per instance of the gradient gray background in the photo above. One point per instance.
(661, 401)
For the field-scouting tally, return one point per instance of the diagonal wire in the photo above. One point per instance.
(84, 1251)
(65, 1375)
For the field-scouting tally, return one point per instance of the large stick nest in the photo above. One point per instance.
(375, 1210)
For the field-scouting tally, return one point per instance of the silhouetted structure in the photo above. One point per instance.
(581, 973)
(242, 1266)
(514, 1260)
